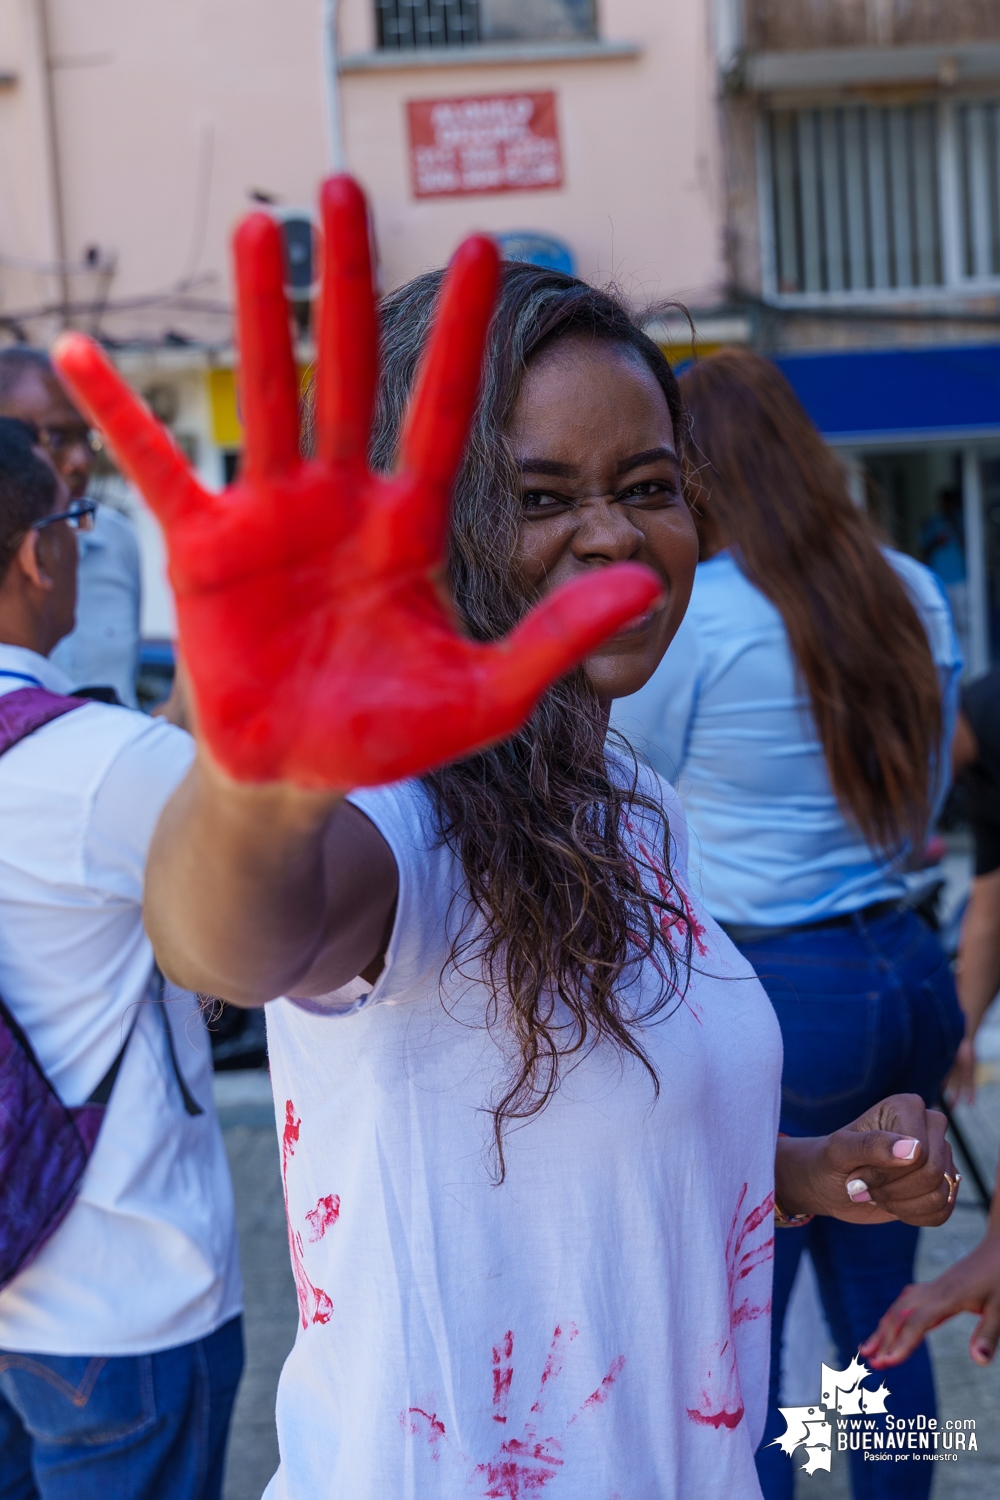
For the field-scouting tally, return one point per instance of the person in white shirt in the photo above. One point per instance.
(527, 1093)
(120, 1343)
(102, 649)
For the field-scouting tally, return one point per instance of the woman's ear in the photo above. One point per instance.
(27, 558)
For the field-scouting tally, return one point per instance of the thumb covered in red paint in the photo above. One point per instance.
(565, 628)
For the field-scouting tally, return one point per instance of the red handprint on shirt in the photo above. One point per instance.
(721, 1401)
(312, 599)
(525, 1462)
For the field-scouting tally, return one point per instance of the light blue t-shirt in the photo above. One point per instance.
(726, 717)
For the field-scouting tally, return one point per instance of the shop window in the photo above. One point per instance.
(855, 199)
(406, 24)
(915, 496)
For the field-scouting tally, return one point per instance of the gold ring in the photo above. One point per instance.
(952, 1184)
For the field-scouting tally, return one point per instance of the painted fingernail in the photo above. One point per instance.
(984, 1353)
(857, 1191)
(905, 1150)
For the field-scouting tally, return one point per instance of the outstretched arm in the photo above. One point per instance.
(971, 1285)
(316, 625)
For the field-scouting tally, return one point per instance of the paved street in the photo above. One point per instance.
(248, 1123)
(245, 1106)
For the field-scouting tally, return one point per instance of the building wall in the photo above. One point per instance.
(793, 24)
(166, 118)
(134, 134)
(642, 194)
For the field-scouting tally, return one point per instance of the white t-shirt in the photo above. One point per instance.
(147, 1258)
(596, 1326)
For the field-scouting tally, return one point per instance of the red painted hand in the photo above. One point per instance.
(312, 600)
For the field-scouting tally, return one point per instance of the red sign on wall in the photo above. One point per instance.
(503, 143)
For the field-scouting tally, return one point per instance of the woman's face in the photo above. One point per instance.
(600, 483)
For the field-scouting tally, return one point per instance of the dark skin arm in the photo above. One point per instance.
(971, 1285)
(279, 891)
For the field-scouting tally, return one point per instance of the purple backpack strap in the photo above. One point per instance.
(44, 1147)
(27, 709)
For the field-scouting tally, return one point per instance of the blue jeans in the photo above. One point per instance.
(865, 1010)
(144, 1427)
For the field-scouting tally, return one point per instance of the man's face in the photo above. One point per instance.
(58, 555)
(39, 398)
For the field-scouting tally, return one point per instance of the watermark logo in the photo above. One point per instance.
(849, 1416)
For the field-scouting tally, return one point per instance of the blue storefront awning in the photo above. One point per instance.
(930, 394)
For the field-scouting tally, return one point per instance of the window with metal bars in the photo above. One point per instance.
(977, 131)
(856, 200)
(405, 24)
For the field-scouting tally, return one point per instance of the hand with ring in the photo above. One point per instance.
(894, 1162)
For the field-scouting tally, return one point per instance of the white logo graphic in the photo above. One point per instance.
(809, 1427)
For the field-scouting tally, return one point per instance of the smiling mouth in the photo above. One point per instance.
(639, 625)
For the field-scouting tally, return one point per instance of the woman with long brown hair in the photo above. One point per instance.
(527, 1092)
(802, 711)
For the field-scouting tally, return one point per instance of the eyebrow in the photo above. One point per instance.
(566, 471)
(648, 456)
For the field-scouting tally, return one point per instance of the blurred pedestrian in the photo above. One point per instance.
(976, 764)
(103, 648)
(802, 712)
(120, 1331)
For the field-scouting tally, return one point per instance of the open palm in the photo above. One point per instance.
(312, 599)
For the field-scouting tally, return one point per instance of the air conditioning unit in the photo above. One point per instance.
(299, 238)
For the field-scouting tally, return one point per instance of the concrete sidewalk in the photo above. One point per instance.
(247, 1114)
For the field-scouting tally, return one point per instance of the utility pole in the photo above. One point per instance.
(55, 172)
(331, 87)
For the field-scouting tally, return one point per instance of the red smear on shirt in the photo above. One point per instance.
(503, 1374)
(721, 1400)
(323, 1216)
(598, 1397)
(522, 1466)
(671, 893)
(717, 1419)
(553, 1362)
(314, 1304)
(416, 1421)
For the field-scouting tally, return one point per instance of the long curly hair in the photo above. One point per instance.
(762, 475)
(562, 911)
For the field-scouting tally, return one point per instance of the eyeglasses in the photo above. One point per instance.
(59, 440)
(80, 516)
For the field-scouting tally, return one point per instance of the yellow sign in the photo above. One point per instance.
(223, 399)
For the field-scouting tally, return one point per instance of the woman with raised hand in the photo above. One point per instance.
(804, 712)
(527, 1091)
